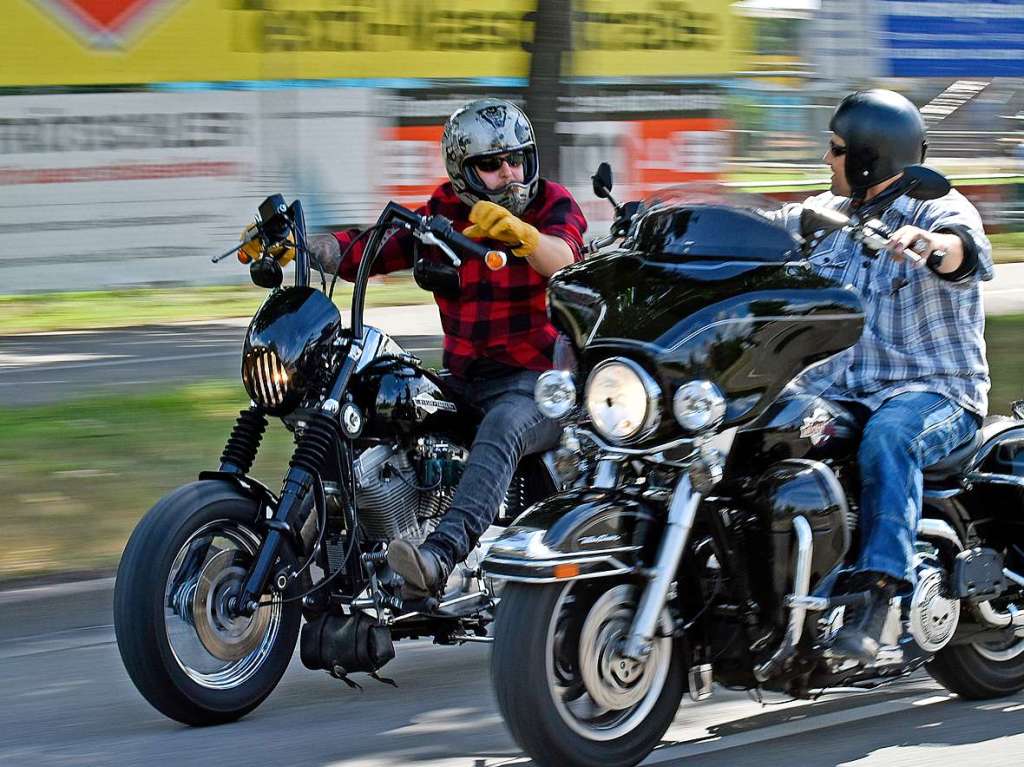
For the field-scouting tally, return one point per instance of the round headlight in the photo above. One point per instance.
(698, 406)
(555, 393)
(622, 400)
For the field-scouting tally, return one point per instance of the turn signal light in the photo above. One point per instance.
(566, 570)
(495, 259)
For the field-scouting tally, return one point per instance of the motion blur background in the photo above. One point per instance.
(137, 138)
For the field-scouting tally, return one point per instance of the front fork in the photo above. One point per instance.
(317, 441)
(682, 511)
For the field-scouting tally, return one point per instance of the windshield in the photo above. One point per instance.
(711, 221)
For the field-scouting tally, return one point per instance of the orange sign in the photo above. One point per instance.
(413, 164)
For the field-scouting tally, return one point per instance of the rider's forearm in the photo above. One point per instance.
(552, 254)
(325, 248)
(954, 248)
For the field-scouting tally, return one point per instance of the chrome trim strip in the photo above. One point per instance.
(634, 451)
(682, 511)
(987, 478)
(937, 528)
(801, 587)
(583, 577)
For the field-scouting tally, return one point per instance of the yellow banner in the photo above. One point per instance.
(99, 42)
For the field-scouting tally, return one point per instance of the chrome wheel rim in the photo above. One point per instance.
(602, 696)
(1000, 652)
(212, 648)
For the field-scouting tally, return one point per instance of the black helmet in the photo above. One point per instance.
(884, 133)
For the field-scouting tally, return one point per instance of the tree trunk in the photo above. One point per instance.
(550, 64)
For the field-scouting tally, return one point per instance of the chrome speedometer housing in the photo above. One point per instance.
(286, 343)
(622, 400)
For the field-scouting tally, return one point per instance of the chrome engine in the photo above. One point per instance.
(389, 496)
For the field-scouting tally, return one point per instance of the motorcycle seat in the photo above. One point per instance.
(944, 468)
(957, 461)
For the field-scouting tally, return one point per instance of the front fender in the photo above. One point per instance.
(577, 534)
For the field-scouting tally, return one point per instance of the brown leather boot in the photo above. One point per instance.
(420, 568)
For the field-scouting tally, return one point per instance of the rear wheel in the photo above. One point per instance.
(187, 655)
(981, 670)
(566, 692)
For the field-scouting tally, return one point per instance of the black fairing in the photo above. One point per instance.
(750, 324)
(298, 324)
(795, 427)
(708, 231)
(807, 489)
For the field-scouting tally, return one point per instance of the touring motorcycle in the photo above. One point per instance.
(217, 576)
(712, 537)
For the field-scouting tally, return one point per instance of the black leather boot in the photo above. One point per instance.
(859, 638)
(421, 568)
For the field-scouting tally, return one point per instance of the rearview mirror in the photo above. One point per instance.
(602, 180)
(818, 223)
(924, 183)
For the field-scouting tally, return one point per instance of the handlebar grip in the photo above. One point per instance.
(443, 230)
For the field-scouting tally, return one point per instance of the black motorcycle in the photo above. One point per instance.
(720, 521)
(218, 575)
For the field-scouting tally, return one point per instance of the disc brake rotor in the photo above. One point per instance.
(225, 637)
(612, 680)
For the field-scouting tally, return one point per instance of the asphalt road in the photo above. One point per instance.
(67, 701)
(51, 367)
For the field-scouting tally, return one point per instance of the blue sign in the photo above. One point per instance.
(952, 38)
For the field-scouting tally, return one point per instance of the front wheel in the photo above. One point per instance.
(187, 656)
(568, 695)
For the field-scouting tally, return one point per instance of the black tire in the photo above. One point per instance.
(139, 609)
(519, 672)
(965, 671)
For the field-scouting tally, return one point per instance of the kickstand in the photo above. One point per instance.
(384, 680)
(339, 673)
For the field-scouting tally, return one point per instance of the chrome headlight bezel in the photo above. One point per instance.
(643, 387)
(555, 393)
(699, 406)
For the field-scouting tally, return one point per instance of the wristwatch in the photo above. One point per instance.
(935, 260)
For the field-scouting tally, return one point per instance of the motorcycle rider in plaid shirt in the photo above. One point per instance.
(497, 336)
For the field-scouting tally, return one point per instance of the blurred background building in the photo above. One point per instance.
(138, 136)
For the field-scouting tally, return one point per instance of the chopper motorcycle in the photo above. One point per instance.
(217, 577)
(710, 540)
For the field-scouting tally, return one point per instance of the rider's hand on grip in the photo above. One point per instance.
(495, 222)
(250, 251)
(283, 252)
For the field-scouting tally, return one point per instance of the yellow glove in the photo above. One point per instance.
(252, 251)
(494, 222)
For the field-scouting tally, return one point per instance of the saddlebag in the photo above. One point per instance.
(352, 642)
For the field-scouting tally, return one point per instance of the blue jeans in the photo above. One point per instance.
(905, 435)
(512, 427)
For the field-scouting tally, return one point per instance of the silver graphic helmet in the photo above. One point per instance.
(490, 127)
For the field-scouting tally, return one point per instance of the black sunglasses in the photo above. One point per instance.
(493, 162)
(836, 150)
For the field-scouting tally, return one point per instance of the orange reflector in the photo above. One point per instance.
(495, 259)
(567, 570)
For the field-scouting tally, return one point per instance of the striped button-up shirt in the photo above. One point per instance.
(921, 332)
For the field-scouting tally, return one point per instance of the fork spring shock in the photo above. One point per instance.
(311, 453)
(244, 442)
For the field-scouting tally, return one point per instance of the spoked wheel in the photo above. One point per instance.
(564, 687)
(185, 651)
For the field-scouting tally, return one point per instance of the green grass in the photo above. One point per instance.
(77, 477)
(147, 306)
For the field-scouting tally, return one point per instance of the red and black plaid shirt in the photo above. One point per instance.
(497, 315)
